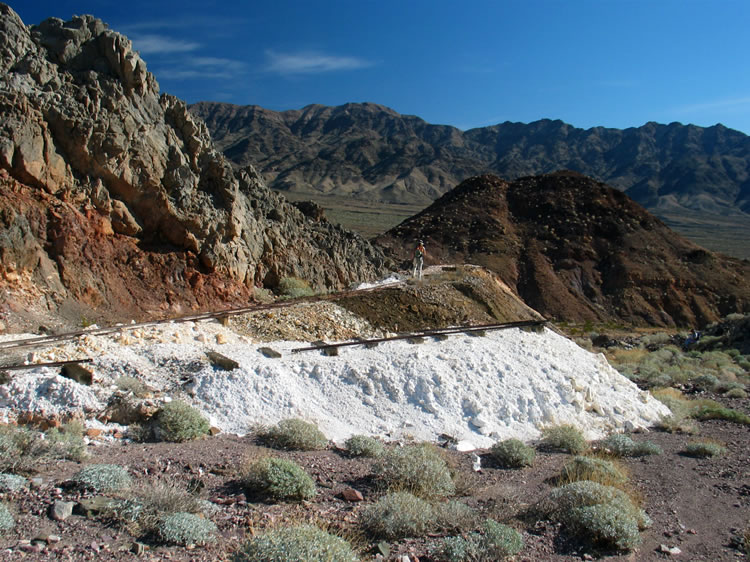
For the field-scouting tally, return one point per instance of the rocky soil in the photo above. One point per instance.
(575, 250)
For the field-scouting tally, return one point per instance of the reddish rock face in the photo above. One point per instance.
(115, 203)
(576, 250)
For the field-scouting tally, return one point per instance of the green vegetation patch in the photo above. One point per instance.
(294, 435)
(566, 438)
(186, 528)
(512, 453)
(103, 478)
(396, 516)
(419, 469)
(279, 479)
(364, 446)
(299, 543)
(178, 421)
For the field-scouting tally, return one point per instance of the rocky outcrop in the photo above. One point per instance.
(106, 181)
(577, 250)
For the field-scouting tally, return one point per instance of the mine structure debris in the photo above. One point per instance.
(437, 333)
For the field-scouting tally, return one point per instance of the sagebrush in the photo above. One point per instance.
(565, 437)
(298, 543)
(512, 453)
(294, 435)
(178, 421)
(279, 479)
(186, 528)
(397, 515)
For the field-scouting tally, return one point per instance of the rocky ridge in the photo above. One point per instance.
(114, 200)
(577, 250)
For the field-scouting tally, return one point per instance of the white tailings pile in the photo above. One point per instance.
(509, 383)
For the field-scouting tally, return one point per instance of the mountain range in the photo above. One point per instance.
(370, 152)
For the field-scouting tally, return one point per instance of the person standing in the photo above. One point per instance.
(418, 259)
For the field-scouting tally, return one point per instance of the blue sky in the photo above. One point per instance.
(612, 63)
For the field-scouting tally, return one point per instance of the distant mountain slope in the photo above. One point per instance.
(576, 249)
(370, 151)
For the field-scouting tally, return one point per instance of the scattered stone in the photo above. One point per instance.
(138, 548)
(352, 495)
(37, 482)
(383, 549)
(221, 339)
(93, 432)
(90, 507)
(78, 373)
(213, 430)
(270, 353)
(415, 340)
(222, 361)
(672, 551)
(61, 510)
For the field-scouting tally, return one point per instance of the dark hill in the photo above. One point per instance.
(576, 249)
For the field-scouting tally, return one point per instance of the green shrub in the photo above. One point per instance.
(178, 421)
(300, 543)
(103, 478)
(704, 449)
(21, 449)
(512, 453)
(186, 528)
(6, 519)
(736, 393)
(623, 446)
(725, 387)
(499, 541)
(292, 287)
(279, 479)
(67, 442)
(495, 542)
(294, 435)
(602, 515)
(11, 482)
(706, 382)
(454, 516)
(594, 469)
(132, 384)
(565, 437)
(364, 446)
(419, 469)
(396, 516)
(718, 412)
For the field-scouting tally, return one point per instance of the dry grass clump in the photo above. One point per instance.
(593, 469)
(293, 435)
(279, 479)
(178, 421)
(600, 515)
(564, 437)
(67, 442)
(131, 384)
(454, 516)
(21, 449)
(364, 446)
(419, 469)
(293, 288)
(704, 449)
(684, 410)
(396, 516)
(298, 543)
(512, 453)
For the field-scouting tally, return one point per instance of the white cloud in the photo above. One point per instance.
(150, 44)
(727, 104)
(202, 67)
(311, 63)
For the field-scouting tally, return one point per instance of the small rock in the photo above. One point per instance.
(222, 361)
(221, 339)
(352, 495)
(672, 551)
(60, 510)
(213, 430)
(37, 482)
(92, 432)
(31, 548)
(78, 373)
(270, 353)
(138, 548)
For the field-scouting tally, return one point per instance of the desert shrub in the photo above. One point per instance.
(602, 515)
(292, 288)
(726, 386)
(454, 516)
(736, 393)
(178, 421)
(594, 469)
(11, 482)
(132, 384)
(419, 469)
(186, 528)
(621, 445)
(718, 412)
(294, 435)
(396, 516)
(67, 442)
(6, 519)
(512, 453)
(706, 381)
(566, 437)
(364, 446)
(499, 541)
(704, 449)
(21, 449)
(300, 543)
(146, 504)
(103, 478)
(495, 542)
(279, 479)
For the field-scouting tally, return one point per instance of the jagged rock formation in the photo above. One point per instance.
(114, 198)
(373, 152)
(576, 250)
